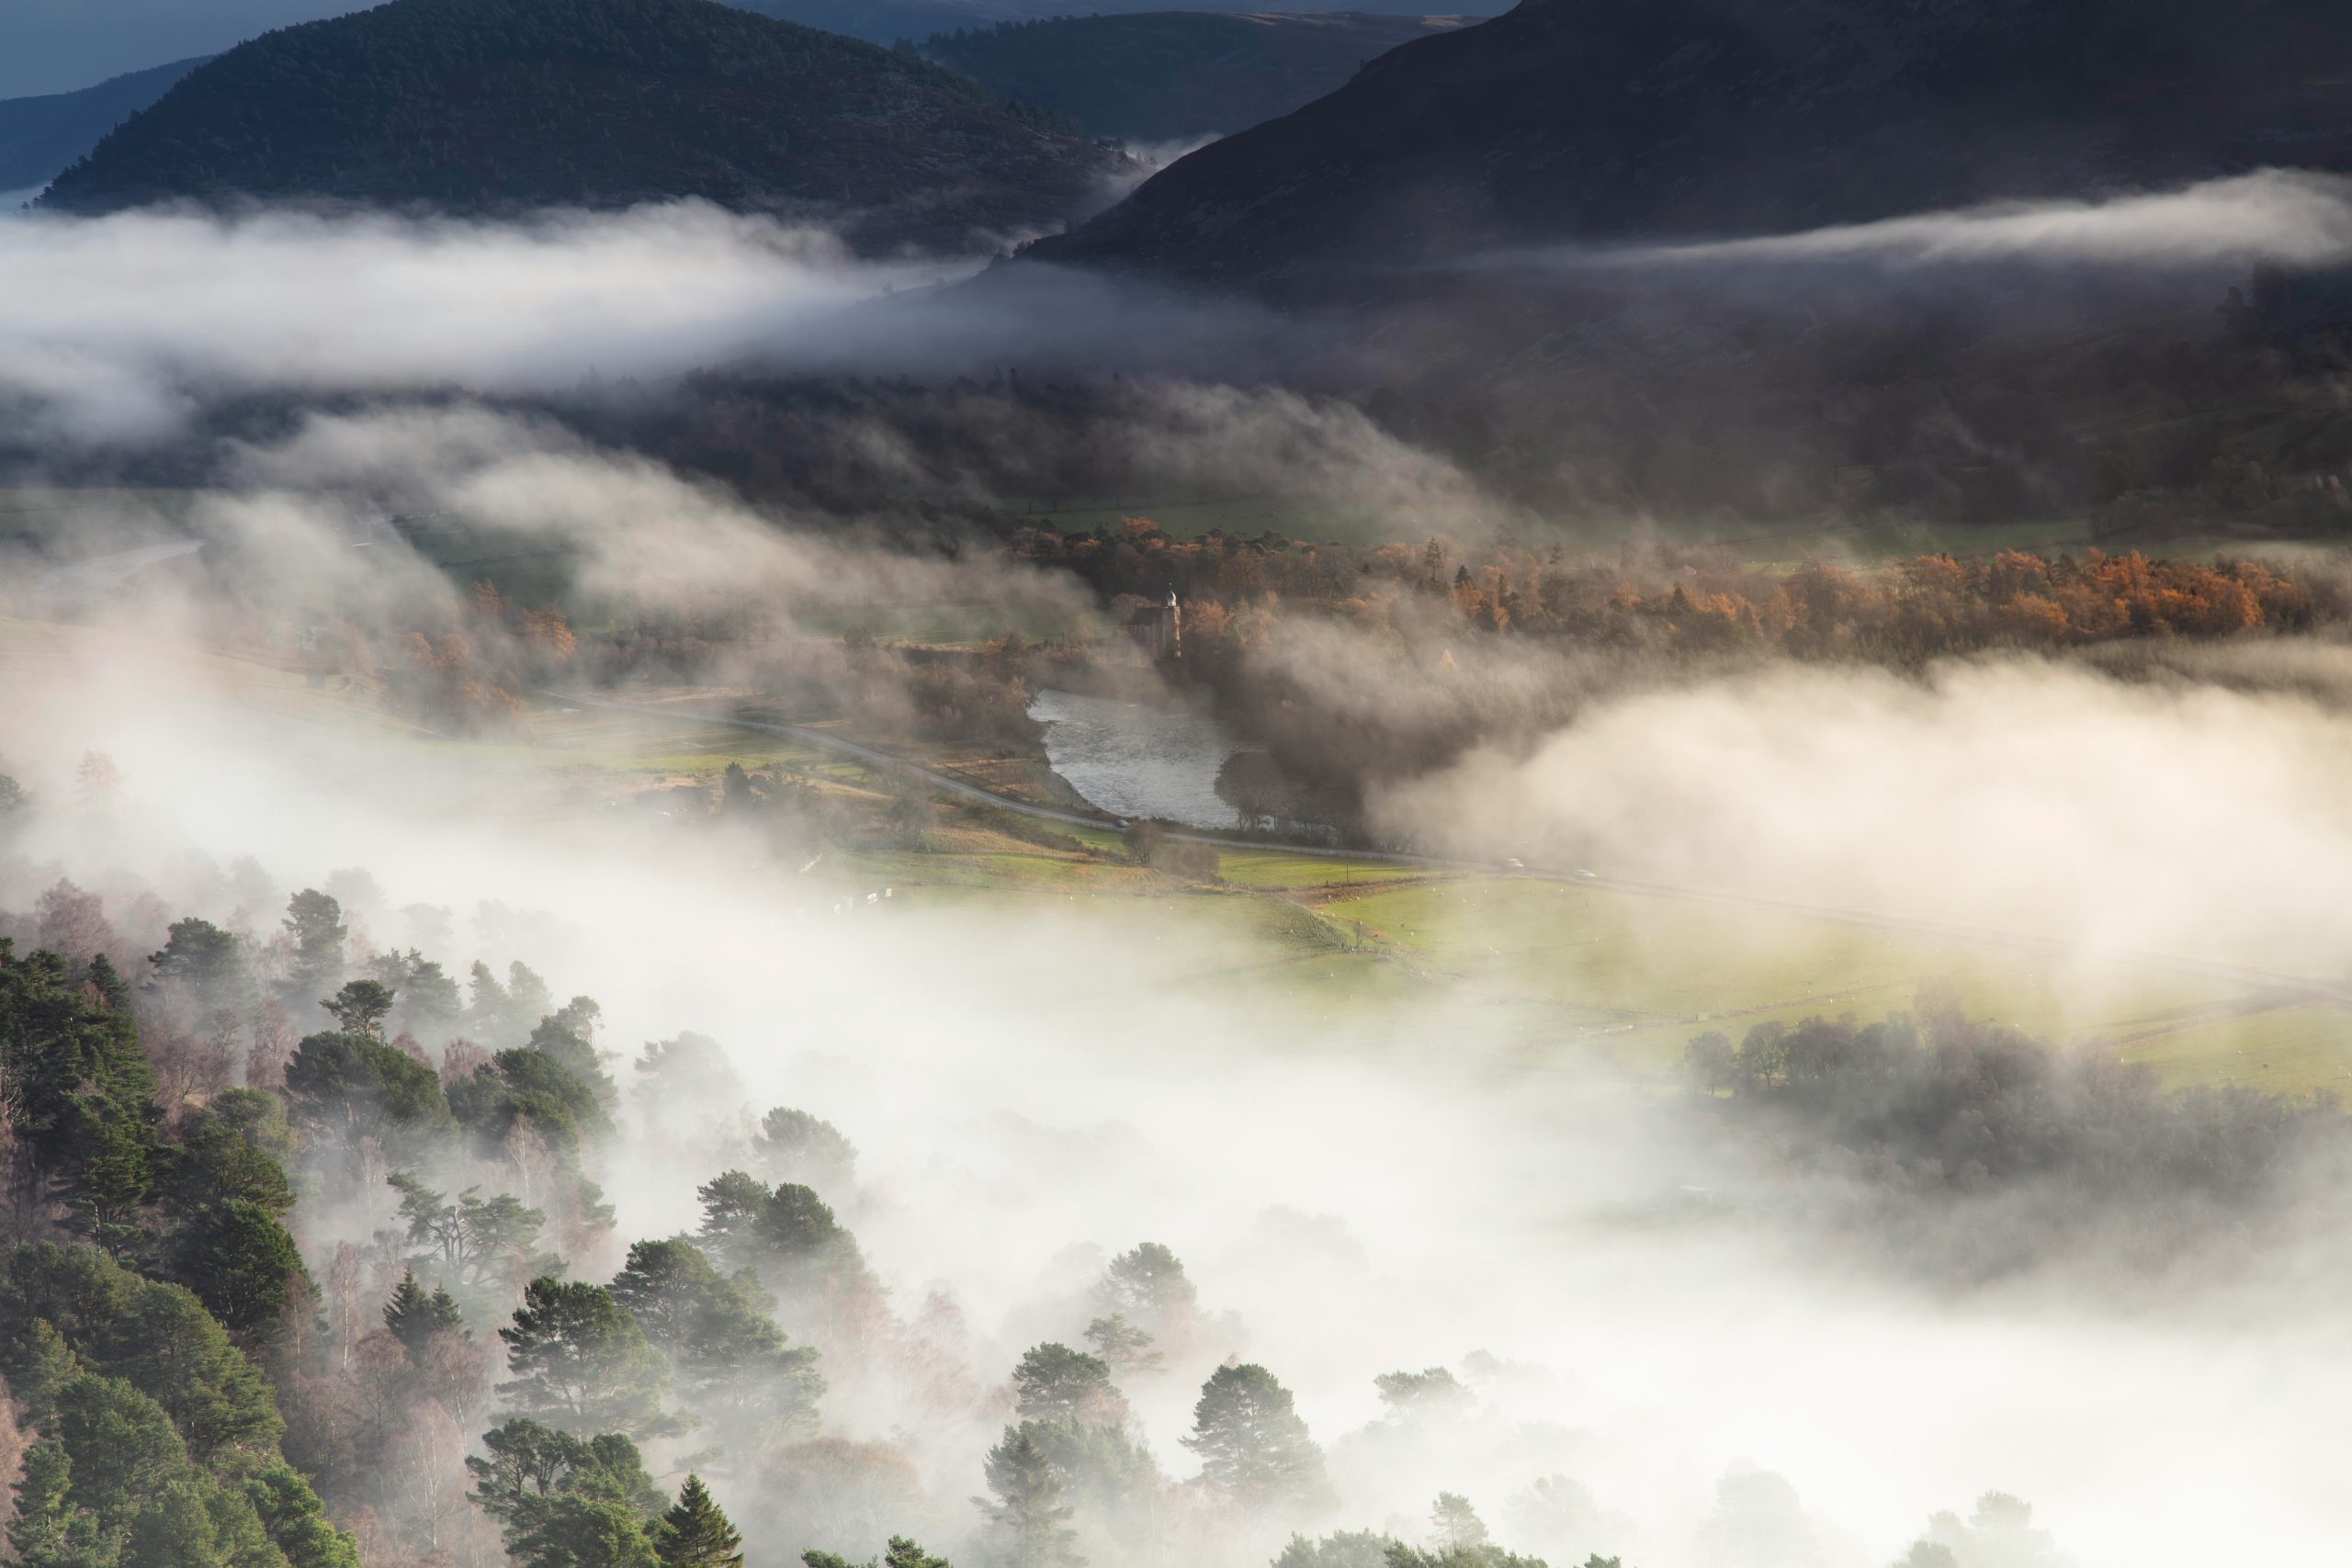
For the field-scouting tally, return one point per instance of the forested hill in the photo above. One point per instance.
(877, 21)
(1165, 74)
(1613, 119)
(493, 106)
(42, 135)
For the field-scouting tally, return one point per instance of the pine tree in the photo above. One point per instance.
(415, 1317)
(359, 1007)
(314, 922)
(1053, 1382)
(695, 1533)
(902, 1553)
(1029, 1507)
(49, 1529)
(1254, 1448)
(583, 1363)
(1458, 1529)
(1127, 1348)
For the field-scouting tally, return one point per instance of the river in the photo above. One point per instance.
(1134, 759)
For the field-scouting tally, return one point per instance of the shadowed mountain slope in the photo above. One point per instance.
(1167, 74)
(492, 106)
(1610, 119)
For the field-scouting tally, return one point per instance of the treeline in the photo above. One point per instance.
(433, 1356)
(1666, 597)
(500, 106)
(467, 673)
(169, 1352)
(473, 673)
(155, 1437)
(1931, 1112)
(1346, 666)
(1168, 74)
(903, 694)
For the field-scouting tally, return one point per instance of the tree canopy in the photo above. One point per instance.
(582, 1364)
(1253, 1447)
(1053, 1382)
(695, 1533)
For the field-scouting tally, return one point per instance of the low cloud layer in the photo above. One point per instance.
(1357, 1210)
(300, 525)
(114, 322)
(1035, 1081)
(2019, 796)
(118, 327)
(2280, 215)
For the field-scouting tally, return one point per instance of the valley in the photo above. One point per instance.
(813, 783)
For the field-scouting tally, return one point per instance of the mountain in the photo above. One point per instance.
(499, 105)
(1605, 120)
(1164, 75)
(876, 21)
(40, 136)
(50, 46)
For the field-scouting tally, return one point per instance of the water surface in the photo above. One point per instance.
(1134, 759)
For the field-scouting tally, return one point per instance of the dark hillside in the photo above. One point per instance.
(876, 21)
(495, 105)
(1609, 120)
(1167, 74)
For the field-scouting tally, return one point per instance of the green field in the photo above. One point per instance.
(1282, 869)
(1382, 955)
(1637, 975)
(619, 741)
(63, 517)
(1531, 965)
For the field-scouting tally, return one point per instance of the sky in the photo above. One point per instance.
(57, 46)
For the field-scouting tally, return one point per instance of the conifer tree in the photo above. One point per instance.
(1254, 1448)
(314, 922)
(902, 1553)
(359, 1007)
(1029, 1509)
(582, 1364)
(416, 1317)
(1053, 1382)
(1127, 1348)
(49, 1528)
(695, 1533)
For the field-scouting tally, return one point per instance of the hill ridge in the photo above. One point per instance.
(484, 106)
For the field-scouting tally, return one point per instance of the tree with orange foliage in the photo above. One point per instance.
(547, 632)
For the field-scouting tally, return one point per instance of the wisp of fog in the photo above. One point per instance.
(1604, 1309)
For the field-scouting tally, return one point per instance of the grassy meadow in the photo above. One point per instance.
(1386, 954)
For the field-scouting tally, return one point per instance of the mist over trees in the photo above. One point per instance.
(763, 1117)
(203, 1345)
(1983, 1150)
(443, 1388)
